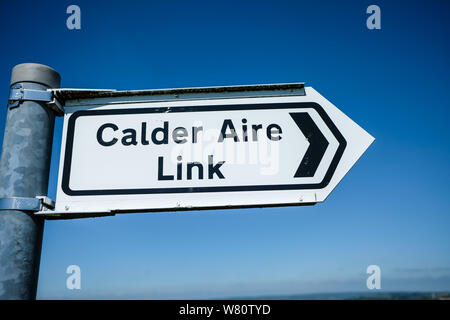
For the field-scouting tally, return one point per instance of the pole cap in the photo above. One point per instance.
(35, 72)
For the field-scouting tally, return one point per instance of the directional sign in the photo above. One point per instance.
(204, 153)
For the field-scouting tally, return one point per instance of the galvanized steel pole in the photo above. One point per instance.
(24, 172)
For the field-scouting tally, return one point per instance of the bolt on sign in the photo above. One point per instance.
(214, 147)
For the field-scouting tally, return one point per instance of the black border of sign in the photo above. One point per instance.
(207, 108)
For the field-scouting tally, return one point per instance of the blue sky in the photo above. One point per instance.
(392, 209)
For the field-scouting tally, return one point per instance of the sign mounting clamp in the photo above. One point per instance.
(19, 94)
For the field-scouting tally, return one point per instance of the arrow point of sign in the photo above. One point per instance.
(357, 140)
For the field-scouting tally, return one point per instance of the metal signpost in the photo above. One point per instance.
(24, 174)
(185, 149)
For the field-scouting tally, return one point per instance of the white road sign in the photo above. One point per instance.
(205, 153)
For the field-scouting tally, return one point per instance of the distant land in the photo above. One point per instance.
(354, 296)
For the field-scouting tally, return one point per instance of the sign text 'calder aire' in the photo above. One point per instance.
(180, 135)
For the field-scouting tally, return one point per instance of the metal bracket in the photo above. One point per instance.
(38, 203)
(19, 94)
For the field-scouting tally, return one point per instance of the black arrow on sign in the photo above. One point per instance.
(317, 145)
